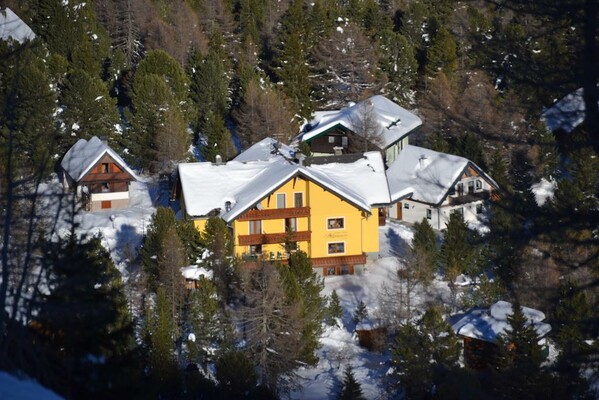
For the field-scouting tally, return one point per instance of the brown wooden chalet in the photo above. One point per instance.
(97, 174)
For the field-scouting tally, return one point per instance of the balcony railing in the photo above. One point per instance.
(469, 198)
(275, 213)
(273, 238)
(107, 177)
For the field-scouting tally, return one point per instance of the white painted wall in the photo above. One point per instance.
(110, 196)
(439, 217)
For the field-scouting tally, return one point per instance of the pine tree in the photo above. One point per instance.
(398, 61)
(170, 261)
(87, 328)
(460, 251)
(301, 275)
(235, 373)
(424, 354)
(352, 390)
(217, 239)
(425, 251)
(153, 247)
(334, 309)
(203, 317)
(360, 313)
(442, 53)
(216, 138)
(88, 110)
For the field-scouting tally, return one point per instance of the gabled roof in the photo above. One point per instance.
(394, 122)
(488, 324)
(13, 27)
(208, 187)
(265, 150)
(80, 158)
(567, 113)
(428, 175)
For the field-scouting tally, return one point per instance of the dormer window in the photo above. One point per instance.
(227, 206)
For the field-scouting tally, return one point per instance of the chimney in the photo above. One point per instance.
(300, 159)
(218, 160)
(423, 161)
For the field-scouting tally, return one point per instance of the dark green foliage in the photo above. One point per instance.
(191, 240)
(425, 251)
(84, 321)
(352, 390)
(483, 294)
(203, 317)
(86, 103)
(334, 309)
(162, 222)
(460, 251)
(303, 287)
(164, 371)
(209, 81)
(360, 313)
(424, 354)
(27, 103)
(216, 138)
(442, 53)
(217, 239)
(236, 374)
(469, 146)
(399, 63)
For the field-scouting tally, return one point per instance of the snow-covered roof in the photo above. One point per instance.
(12, 387)
(427, 175)
(487, 324)
(85, 154)
(394, 122)
(193, 272)
(567, 113)
(265, 150)
(207, 187)
(13, 27)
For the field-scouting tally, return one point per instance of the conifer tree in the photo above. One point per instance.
(442, 55)
(203, 318)
(170, 261)
(163, 368)
(352, 390)
(360, 313)
(424, 353)
(235, 373)
(425, 251)
(217, 239)
(216, 138)
(88, 110)
(398, 61)
(334, 309)
(460, 251)
(154, 244)
(87, 328)
(301, 275)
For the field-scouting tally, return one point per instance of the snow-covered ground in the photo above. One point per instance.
(122, 230)
(339, 346)
(13, 388)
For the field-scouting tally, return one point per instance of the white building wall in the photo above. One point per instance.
(439, 216)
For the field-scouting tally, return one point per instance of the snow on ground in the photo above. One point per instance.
(543, 190)
(122, 230)
(339, 346)
(14, 388)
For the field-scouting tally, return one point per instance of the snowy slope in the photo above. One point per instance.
(13, 388)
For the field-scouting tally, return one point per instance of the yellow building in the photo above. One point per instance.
(275, 206)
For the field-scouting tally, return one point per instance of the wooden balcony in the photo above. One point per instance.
(108, 177)
(469, 198)
(275, 213)
(340, 260)
(273, 238)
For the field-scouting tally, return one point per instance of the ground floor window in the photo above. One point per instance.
(331, 271)
(479, 208)
(256, 249)
(429, 213)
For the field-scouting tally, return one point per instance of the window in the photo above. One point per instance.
(290, 224)
(335, 223)
(471, 187)
(479, 184)
(298, 199)
(256, 249)
(331, 271)
(105, 187)
(406, 206)
(344, 270)
(281, 200)
(227, 206)
(457, 211)
(429, 213)
(331, 139)
(336, 248)
(460, 189)
(255, 227)
(104, 168)
(479, 208)
(344, 142)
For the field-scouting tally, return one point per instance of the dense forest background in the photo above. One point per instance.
(167, 81)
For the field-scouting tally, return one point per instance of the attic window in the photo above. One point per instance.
(104, 168)
(479, 184)
(227, 206)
